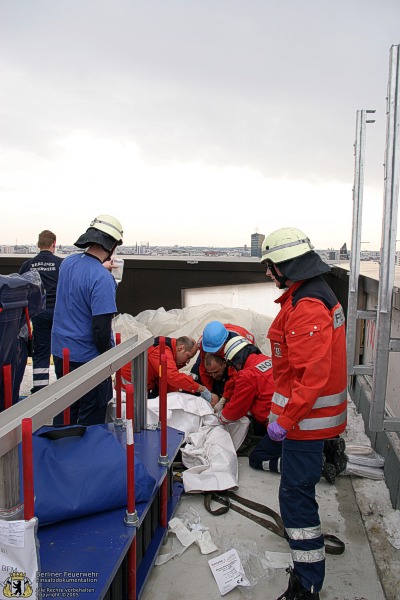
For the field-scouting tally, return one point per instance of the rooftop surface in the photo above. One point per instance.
(354, 509)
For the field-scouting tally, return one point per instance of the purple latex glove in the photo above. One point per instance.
(276, 432)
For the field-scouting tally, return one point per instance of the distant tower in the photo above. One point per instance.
(256, 243)
(343, 252)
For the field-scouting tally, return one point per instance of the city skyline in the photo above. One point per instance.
(140, 249)
(196, 122)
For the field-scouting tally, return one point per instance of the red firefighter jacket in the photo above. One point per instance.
(254, 386)
(308, 344)
(205, 378)
(175, 380)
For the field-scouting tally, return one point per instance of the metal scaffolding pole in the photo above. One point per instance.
(383, 342)
(358, 189)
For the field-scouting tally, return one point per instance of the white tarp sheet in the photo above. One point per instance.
(191, 322)
(210, 450)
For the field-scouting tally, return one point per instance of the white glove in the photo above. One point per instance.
(220, 405)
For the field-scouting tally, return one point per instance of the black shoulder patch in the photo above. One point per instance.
(167, 341)
(316, 287)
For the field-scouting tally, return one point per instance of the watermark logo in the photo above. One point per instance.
(17, 585)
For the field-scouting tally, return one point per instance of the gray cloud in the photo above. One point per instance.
(270, 85)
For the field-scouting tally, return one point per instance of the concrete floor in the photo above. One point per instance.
(350, 576)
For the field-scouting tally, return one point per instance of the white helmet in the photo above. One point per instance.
(285, 244)
(233, 346)
(104, 230)
(109, 225)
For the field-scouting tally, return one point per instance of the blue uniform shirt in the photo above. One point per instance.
(48, 266)
(85, 289)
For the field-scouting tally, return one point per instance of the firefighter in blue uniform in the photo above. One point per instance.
(84, 310)
(48, 266)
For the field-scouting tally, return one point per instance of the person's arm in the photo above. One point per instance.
(230, 383)
(309, 339)
(101, 329)
(175, 379)
(241, 400)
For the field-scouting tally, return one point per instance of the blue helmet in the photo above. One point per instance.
(214, 336)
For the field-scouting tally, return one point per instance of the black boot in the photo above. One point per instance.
(296, 591)
(334, 450)
(328, 470)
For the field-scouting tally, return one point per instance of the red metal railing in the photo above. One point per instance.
(27, 469)
(163, 460)
(7, 386)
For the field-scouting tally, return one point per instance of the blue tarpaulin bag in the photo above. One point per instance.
(17, 292)
(80, 471)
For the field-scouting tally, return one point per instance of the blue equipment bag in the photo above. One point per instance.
(17, 292)
(80, 471)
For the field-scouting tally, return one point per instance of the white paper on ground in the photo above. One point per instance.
(183, 534)
(279, 560)
(228, 571)
(176, 550)
(185, 538)
(204, 542)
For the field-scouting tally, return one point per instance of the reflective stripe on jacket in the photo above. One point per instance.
(308, 344)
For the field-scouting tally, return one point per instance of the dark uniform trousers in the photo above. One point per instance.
(42, 324)
(301, 471)
(91, 408)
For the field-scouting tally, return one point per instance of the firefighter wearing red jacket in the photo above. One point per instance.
(308, 346)
(178, 353)
(254, 385)
(215, 335)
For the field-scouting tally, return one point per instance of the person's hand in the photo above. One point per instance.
(276, 432)
(219, 405)
(206, 394)
(108, 264)
(214, 399)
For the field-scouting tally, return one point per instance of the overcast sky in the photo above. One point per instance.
(194, 122)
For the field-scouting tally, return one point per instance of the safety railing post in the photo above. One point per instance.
(163, 459)
(27, 469)
(7, 385)
(67, 411)
(132, 570)
(118, 421)
(161, 344)
(131, 517)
